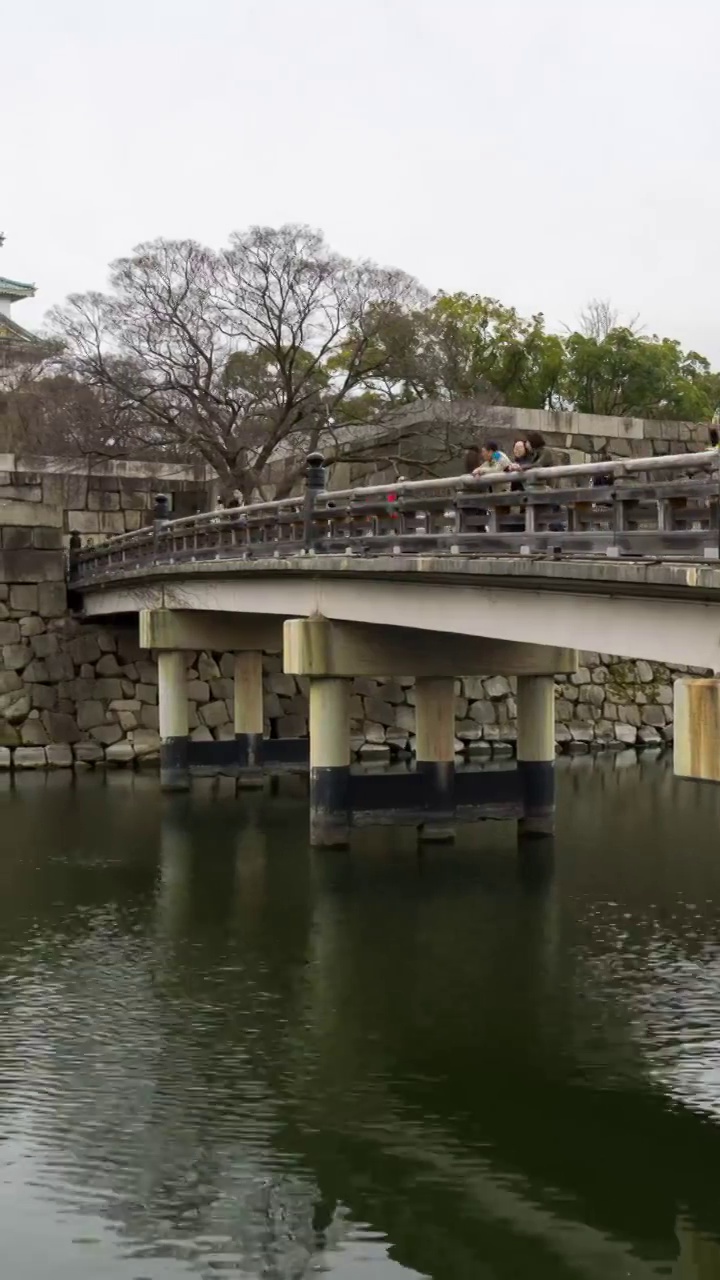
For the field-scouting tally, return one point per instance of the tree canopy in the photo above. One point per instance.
(251, 356)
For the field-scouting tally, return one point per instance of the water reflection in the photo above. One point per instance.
(223, 1053)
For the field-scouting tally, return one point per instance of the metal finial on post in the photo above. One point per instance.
(315, 481)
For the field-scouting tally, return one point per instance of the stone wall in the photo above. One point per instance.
(443, 430)
(74, 693)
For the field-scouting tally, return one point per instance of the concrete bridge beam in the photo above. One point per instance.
(215, 631)
(321, 647)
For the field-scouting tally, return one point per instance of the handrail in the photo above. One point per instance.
(479, 514)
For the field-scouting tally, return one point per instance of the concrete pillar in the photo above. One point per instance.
(536, 754)
(435, 754)
(249, 708)
(329, 762)
(173, 717)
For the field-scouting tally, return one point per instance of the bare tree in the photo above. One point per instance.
(599, 317)
(242, 358)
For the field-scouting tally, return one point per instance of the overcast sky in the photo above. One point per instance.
(540, 151)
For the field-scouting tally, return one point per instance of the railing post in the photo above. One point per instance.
(161, 513)
(315, 481)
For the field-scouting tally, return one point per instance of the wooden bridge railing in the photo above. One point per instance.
(642, 507)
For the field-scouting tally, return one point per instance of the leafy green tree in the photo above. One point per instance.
(626, 374)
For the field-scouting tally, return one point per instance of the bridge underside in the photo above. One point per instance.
(666, 613)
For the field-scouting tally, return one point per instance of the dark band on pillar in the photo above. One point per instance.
(537, 788)
(249, 750)
(330, 804)
(437, 783)
(174, 761)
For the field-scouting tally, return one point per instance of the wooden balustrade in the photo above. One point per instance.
(654, 507)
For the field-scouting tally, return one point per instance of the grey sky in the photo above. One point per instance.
(541, 151)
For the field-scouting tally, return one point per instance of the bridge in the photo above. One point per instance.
(506, 573)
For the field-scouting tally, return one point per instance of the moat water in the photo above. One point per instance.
(224, 1054)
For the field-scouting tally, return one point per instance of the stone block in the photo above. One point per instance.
(60, 727)
(99, 501)
(120, 753)
(84, 648)
(107, 665)
(581, 676)
(497, 687)
(147, 693)
(664, 695)
(32, 514)
(17, 539)
(84, 521)
(32, 566)
(20, 492)
(201, 734)
(391, 691)
(128, 688)
(214, 714)
(127, 720)
(30, 758)
(483, 712)
(16, 656)
(629, 714)
(24, 598)
(227, 665)
(292, 727)
(90, 714)
(107, 734)
(9, 736)
(59, 755)
(649, 736)
(52, 599)
(147, 672)
(365, 687)
(645, 673)
(273, 708)
(626, 733)
(133, 521)
(653, 715)
(468, 731)
(108, 688)
(125, 704)
(149, 717)
(10, 680)
(593, 694)
(222, 688)
(60, 666)
(372, 732)
(32, 626)
(145, 740)
(5, 758)
(111, 522)
(88, 752)
(47, 539)
(405, 719)
(283, 685)
(43, 697)
(9, 632)
(36, 672)
(581, 732)
(198, 691)
(43, 644)
(379, 711)
(15, 706)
